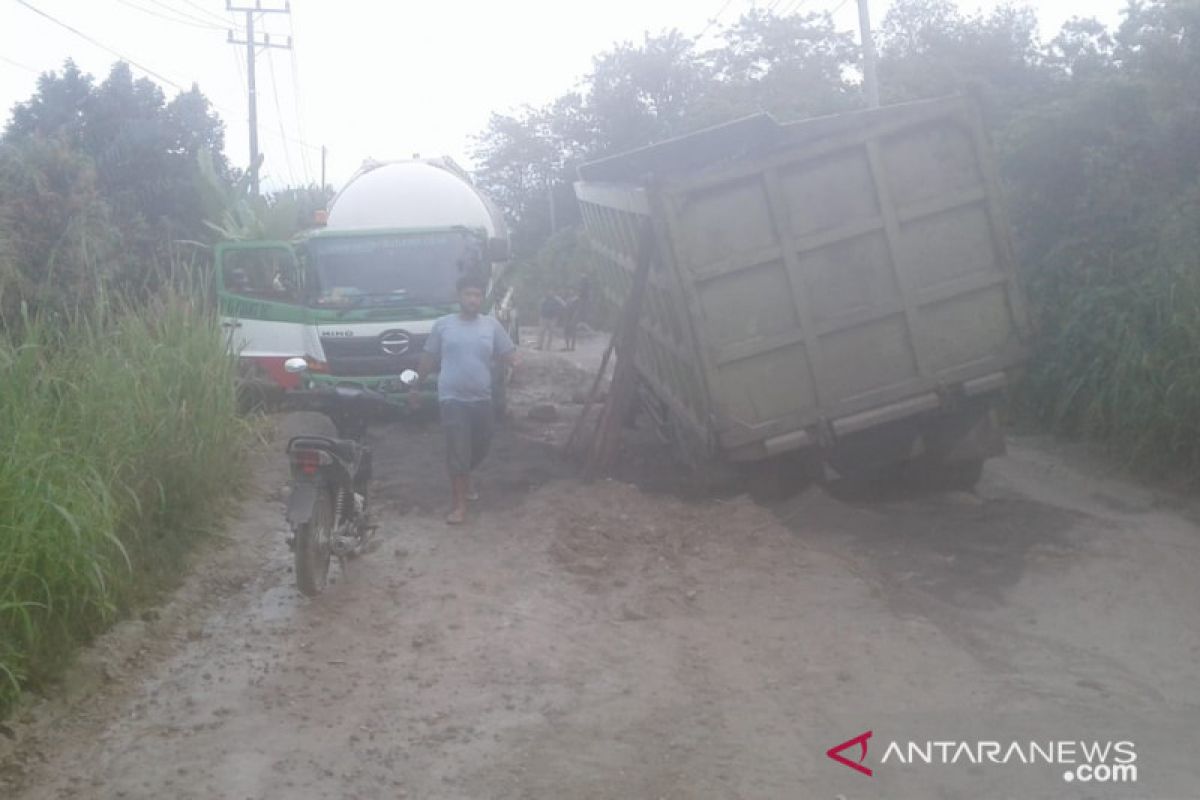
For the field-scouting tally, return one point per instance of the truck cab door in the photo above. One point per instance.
(261, 300)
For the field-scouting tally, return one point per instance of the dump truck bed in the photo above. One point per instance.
(815, 279)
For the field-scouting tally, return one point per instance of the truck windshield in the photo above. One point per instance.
(391, 269)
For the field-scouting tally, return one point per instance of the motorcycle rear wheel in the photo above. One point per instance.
(314, 545)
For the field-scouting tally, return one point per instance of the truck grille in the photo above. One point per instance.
(366, 356)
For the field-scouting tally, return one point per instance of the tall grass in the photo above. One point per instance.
(1119, 363)
(121, 435)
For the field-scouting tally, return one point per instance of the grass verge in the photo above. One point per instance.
(122, 439)
(1119, 364)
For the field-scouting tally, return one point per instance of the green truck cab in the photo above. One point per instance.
(357, 297)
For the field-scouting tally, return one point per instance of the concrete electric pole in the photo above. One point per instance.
(252, 44)
(870, 67)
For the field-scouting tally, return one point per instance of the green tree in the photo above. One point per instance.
(519, 163)
(143, 147)
(59, 108)
(928, 48)
(1083, 49)
(791, 66)
(1105, 187)
(113, 163)
(642, 94)
(58, 246)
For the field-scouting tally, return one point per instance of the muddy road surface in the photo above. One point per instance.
(617, 640)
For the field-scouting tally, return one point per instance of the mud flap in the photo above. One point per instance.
(300, 503)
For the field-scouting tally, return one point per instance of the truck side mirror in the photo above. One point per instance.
(497, 249)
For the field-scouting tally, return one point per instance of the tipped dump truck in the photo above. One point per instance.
(842, 287)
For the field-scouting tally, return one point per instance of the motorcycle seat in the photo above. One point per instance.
(345, 449)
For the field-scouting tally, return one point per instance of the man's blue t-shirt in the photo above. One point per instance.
(467, 348)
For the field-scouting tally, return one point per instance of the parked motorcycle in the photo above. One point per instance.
(328, 507)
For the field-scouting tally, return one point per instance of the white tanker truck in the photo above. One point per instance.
(357, 297)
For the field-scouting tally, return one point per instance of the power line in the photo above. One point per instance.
(296, 94)
(302, 143)
(203, 13)
(294, 58)
(101, 45)
(287, 152)
(713, 19)
(795, 5)
(132, 62)
(216, 22)
(176, 20)
(241, 71)
(19, 65)
(792, 7)
(202, 9)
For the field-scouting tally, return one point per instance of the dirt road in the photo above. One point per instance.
(603, 641)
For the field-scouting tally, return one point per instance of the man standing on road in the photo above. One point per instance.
(468, 346)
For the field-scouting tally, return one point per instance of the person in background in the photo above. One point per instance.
(464, 348)
(573, 314)
(550, 313)
(570, 322)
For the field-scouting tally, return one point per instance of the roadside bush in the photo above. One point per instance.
(1120, 364)
(122, 439)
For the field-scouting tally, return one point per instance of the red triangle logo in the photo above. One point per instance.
(835, 753)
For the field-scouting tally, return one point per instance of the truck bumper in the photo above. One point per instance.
(399, 395)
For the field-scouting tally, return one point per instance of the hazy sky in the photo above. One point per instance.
(375, 78)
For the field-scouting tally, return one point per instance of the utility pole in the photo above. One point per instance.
(870, 67)
(252, 44)
(322, 168)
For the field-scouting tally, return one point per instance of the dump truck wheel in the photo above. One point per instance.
(944, 476)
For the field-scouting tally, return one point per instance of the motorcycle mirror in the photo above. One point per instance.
(295, 365)
(408, 377)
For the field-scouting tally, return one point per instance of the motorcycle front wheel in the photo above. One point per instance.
(314, 545)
